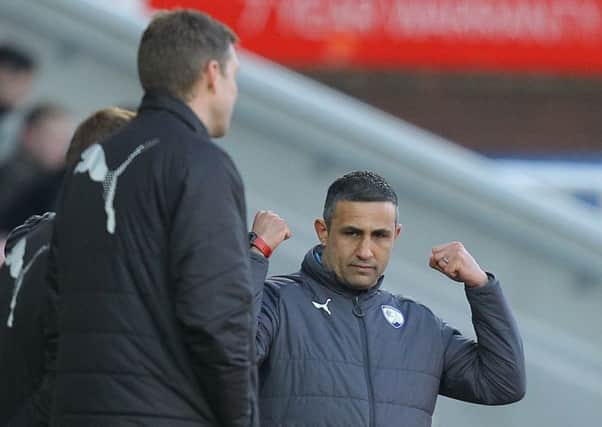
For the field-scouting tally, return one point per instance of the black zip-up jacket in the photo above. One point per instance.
(27, 384)
(330, 356)
(25, 311)
(150, 259)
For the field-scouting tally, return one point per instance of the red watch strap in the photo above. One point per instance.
(262, 246)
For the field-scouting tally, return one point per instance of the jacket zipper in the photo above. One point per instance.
(357, 311)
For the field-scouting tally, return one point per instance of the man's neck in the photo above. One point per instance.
(202, 112)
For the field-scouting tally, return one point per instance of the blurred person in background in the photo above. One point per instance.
(150, 255)
(26, 303)
(17, 69)
(334, 348)
(31, 177)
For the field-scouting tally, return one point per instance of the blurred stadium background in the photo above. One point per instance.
(486, 115)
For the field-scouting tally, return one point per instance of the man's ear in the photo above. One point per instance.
(398, 229)
(321, 230)
(210, 74)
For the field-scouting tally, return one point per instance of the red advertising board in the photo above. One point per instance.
(554, 36)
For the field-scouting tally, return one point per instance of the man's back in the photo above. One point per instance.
(146, 332)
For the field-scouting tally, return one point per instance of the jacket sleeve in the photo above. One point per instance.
(35, 410)
(209, 265)
(490, 371)
(259, 271)
(267, 320)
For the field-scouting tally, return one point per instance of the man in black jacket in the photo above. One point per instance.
(27, 306)
(150, 251)
(334, 349)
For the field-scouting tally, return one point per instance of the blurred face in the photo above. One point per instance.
(48, 140)
(225, 94)
(358, 243)
(14, 87)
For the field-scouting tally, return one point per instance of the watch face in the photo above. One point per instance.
(252, 237)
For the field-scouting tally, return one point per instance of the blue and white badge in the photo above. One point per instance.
(393, 316)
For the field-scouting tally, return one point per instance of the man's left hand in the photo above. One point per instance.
(453, 260)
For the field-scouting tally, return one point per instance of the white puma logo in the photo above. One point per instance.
(323, 306)
(17, 271)
(15, 258)
(93, 161)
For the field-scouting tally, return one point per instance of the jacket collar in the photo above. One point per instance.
(162, 101)
(313, 267)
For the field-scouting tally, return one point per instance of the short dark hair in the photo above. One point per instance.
(176, 46)
(95, 128)
(357, 186)
(16, 59)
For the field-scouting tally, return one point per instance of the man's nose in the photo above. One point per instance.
(364, 250)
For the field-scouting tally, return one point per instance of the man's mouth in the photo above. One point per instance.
(362, 267)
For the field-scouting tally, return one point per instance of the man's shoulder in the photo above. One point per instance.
(275, 288)
(172, 133)
(285, 281)
(284, 284)
(407, 303)
(178, 149)
(37, 227)
(198, 151)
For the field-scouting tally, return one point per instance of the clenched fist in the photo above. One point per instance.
(271, 228)
(453, 260)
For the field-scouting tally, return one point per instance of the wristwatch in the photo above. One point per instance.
(260, 244)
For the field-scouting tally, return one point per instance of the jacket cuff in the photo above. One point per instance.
(258, 258)
(492, 282)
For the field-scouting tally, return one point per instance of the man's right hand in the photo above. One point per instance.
(271, 228)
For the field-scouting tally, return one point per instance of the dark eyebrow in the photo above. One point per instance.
(382, 232)
(351, 228)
